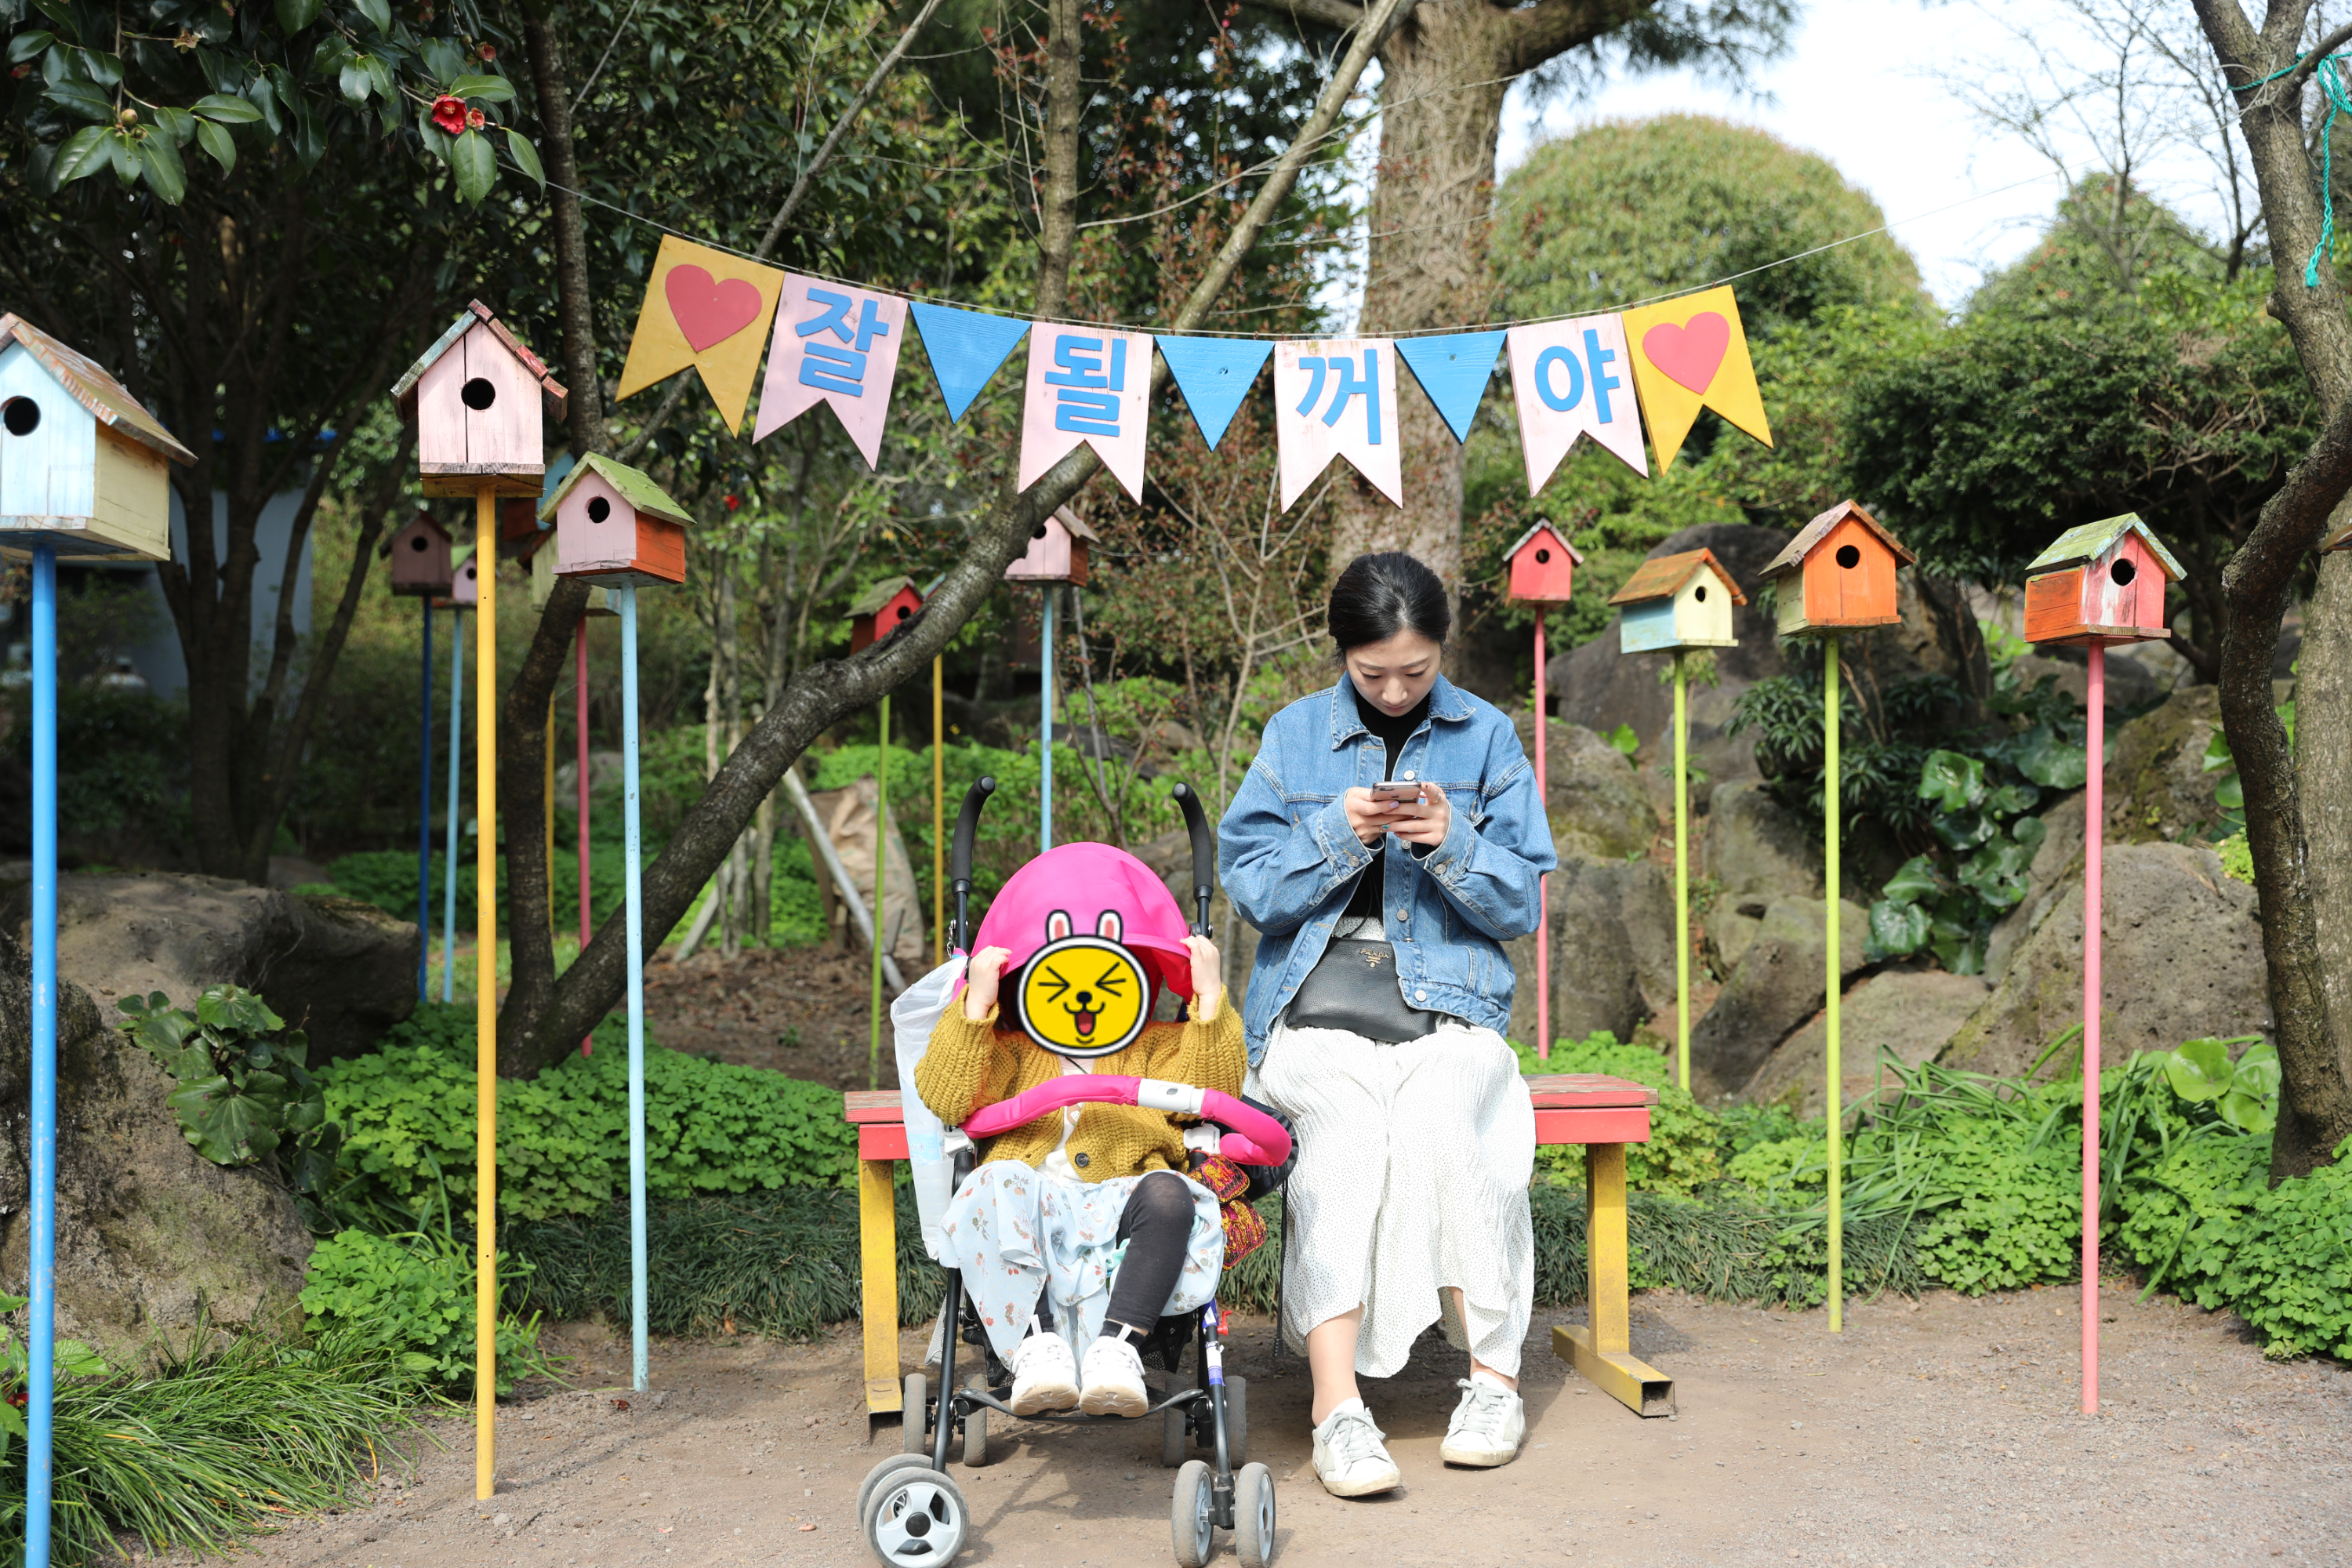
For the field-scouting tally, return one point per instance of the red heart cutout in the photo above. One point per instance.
(1690, 354)
(708, 311)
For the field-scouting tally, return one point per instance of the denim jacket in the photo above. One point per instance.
(1287, 858)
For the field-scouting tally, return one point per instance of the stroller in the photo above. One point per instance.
(913, 1514)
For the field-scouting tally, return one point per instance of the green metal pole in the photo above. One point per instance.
(1681, 877)
(881, 870)
(1832, 787)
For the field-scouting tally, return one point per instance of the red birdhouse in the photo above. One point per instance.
(1543, 565)
(477, 397)
(881, 610)
(419, 554)
(614, 525)
(2102, 582)
(1838, 573)
(1056, 552)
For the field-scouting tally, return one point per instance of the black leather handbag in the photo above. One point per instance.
(1354, 987)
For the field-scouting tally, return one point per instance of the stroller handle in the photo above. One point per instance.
(1253, 1138)
(959, 859)
(1205, 855)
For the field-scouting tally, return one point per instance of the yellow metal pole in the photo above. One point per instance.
(1682, 875)
(939, 812)
(877, 1248)
(881, 882)
(486, 992)
(1831, 789)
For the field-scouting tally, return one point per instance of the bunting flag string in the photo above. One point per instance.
(1605, 377)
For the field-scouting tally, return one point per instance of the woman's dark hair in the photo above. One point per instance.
(1381, 595)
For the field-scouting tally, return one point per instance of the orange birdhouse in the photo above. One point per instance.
(1838, 573)
(2102, 582)
(1056, 552)
(1543, 565)
(419, 557)
(477, 397)
(881, 610)
(614, 525)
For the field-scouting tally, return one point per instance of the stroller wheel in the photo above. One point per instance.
(975, 1427)
(1190, 1516)
(914, 1426)
(1253, 1516)
(916, 1518)
(890, 1462)
(1175, 1439)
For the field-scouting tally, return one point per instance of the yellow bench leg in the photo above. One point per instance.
(1603, 1352)
(878, 1249)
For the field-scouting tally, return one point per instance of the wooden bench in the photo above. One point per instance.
(1604, 1114)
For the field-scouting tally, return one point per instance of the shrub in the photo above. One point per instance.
(1684, 1151)
(411, 1297)
(2290, 1276)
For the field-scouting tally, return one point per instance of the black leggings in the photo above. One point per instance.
(1157, 1226)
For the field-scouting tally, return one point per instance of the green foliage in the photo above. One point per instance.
(2243, 1093)
(121, 756)
(244, 1093)
(2237, 857)
(411, 1295)
(408, 1112)
(1682, 1153)
(2290, 1273)
(69, 1358)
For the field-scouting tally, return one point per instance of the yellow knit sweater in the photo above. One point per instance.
(969, 1065)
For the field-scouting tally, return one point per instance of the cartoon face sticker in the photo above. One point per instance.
(1082, 996)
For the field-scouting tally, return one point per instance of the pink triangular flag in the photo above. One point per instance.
(1574, 378)
(833, 345)
(1336, 398)
(1089, 384)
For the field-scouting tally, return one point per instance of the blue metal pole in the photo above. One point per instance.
(1046, 733)
(449, 855)
(424, 822)
(635, 923)
(40, 1379)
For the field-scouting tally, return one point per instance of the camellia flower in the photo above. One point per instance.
(449, 113)
(489, 51)
(476, 120)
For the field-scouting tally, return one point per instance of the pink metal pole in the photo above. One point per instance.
(2095, 835)
(1543, 884)
(580, 727)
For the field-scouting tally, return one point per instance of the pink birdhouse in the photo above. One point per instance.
(465, 591)
(881, 610)
(419, 557)
(1056, 552)
(1543, 565)
(477, 397)
(2102, 582)
(614, 525)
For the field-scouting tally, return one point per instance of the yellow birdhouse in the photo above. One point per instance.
(1678, 602)
(83, 466)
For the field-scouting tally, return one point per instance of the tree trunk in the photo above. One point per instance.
(584, 408)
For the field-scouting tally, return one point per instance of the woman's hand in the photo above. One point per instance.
(1435, 815)
(1368, 816)
(980, 982)
(1208, 976)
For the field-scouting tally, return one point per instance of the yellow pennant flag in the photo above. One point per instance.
(1691, 354)
(705, 309)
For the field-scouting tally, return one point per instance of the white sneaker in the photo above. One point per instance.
(1488, 1426)
(1114, 1380)
(1044, 1375)
(1350, 1458)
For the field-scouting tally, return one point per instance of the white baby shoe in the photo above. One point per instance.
(1488, 1426)
(1044, 1374)
(1350, 1458)
(1114, 1380)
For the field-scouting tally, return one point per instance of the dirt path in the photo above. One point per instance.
(727, 1008)
(1934, 1434)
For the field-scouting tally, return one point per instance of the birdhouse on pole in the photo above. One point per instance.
(539, 553)
(477, 397)
(614, 525)
(1543, 565)
(1056, 552)
(465, 590)
(1678, 602)
(2102, 582)
(419, 558)
(1838, 573)
(881, 610)
(83, 466)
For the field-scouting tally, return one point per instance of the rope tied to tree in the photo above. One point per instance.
(2329, 75)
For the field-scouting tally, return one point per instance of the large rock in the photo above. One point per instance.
(1757, 849)
(1777, 985)
(2182, 957)
(2158, 785)
(340, 970)
(1910, 1014)
(1612, 951)
(2056, 866)
(1598, 807)
(149, 1235)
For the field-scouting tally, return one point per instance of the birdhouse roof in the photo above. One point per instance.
(403, 391)
(106, 398)
(874, 600)
(2092, 540)
(1812, 533)
(1575, 555)
(1070, 520)
(1663, 578)
(422, 520)
(636, 488)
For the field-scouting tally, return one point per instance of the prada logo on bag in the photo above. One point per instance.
(1373, 957)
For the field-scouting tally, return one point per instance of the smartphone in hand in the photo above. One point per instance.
(1405, 794)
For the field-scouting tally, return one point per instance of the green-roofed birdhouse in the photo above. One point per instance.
(881, 610)
(614, 525)
(83, 467)
(477, 397)
(1543, 567)
(1837, 574)
(2102, 582)
(539, 551)
(1678, 602)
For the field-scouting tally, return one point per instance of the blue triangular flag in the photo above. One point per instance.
(1452, 370)
(1215, 374)
(965, 347)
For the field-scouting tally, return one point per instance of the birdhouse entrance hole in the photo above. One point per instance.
(22, 415)
(1543, 557)
(1699, 592)
(599, 509)
(2123, 572)
(420, 543)
(1848, 557)
(478, 393)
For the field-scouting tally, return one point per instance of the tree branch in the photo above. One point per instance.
(1340, 14)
